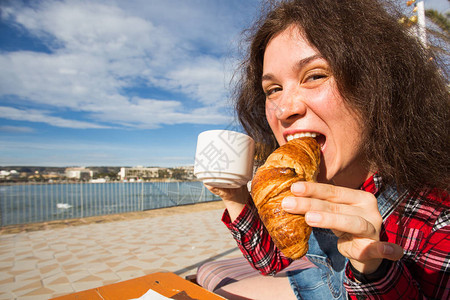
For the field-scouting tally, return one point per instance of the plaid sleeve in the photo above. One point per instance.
(255, 242)
(434, 261)
(397, 284)
(424, 270)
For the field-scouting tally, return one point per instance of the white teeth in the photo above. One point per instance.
(300, 135)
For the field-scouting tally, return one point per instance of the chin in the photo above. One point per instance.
(322, 176)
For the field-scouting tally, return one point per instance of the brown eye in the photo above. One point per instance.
(315, 77)
(271, 91)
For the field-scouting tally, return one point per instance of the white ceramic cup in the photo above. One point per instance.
(224, 158)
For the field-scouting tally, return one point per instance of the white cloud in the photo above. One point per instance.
(33, 115)
(150, 113)
(16, 129)
(60, 80)
(205, 70)
(98, 50)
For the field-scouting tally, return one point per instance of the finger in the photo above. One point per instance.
(375, 250)
(390, 251)
(353, 224)
(240, 195)
(329, 192)
(300, 205)
(222, 193)
(213, 190)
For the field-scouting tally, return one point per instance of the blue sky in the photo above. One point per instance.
(117, 83)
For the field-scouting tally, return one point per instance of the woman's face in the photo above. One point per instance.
(302, 98)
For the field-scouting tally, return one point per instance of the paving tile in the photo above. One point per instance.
(86, 285)
(42, 291)
(125, 275)
(76, 275)
(113, 264)
(5, 281)
(168, 264)
(44, 255)
(61, 289)
(56, 261)
(33, 297)
(89, 278)
(17, 272)
(57, 279)
(5, 275)
(63, 257)
(96, 267)
(6, 255)
(31, 275)
(108, 275)
(49, 269)
(23, 288)
(6, 295)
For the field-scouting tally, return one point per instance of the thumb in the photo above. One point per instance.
(389, 251)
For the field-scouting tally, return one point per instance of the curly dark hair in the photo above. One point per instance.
(381, 70)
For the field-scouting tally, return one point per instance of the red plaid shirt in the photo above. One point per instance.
(423, 231)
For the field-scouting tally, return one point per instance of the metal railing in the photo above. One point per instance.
(30, 203)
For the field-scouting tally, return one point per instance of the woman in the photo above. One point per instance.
(350, 73)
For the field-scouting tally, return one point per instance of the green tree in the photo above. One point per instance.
(179, 174)
(442, 21)
(163, 173)
(438, 37)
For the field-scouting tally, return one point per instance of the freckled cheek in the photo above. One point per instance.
(272, 119)
(270, 113)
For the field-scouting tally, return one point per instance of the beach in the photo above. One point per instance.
(45, 260)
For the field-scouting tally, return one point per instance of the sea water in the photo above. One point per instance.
(27, 203)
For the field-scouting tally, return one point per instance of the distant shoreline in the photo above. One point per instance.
(88, 182)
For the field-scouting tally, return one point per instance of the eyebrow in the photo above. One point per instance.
(299, 65)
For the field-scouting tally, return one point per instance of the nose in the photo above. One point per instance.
(289, 108)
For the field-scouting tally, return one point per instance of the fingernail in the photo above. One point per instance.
(312, 217)
(388, 249)
(288, 203)
(298, 187)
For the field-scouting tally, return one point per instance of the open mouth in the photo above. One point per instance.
(320, 138)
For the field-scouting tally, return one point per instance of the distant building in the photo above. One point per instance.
(139, 172)
(189, 172)
(79, 173)
(4, 174)
(12, 174)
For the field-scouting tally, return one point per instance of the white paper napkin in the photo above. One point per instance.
(152, 295)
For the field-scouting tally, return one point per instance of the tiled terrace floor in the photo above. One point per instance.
(42, 261)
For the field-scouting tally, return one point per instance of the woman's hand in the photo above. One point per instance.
(352, 215)
(234, 199)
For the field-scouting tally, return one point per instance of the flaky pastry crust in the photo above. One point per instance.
(297, 160)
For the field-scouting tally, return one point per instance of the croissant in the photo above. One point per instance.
(297, 160)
